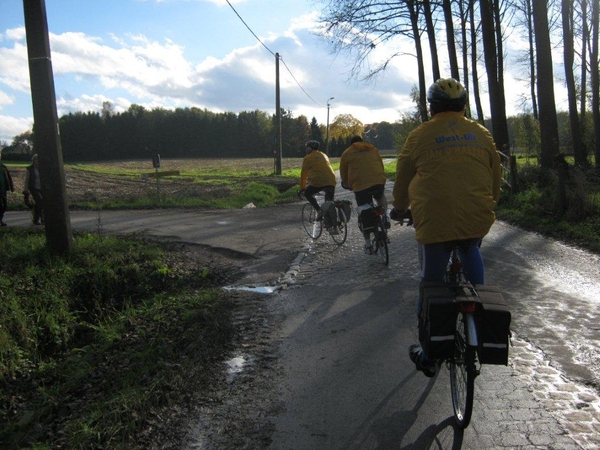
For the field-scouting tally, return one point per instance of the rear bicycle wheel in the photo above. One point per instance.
(312, 226)
(342, 228)
(462, 374)
(380, 246)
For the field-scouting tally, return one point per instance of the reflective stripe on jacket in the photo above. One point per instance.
(449, 174)
(316, 170)
(361, 167)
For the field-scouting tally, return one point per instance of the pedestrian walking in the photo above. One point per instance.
(6, 185)
(33, 188)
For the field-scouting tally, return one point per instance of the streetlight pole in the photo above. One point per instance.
(327, 137)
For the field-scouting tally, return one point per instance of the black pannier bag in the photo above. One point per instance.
(329, 214)
(437, 320)
(367, 220)
(346, 206)
(493, 326)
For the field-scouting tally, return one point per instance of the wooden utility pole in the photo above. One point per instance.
(59, 236)
(278, 151)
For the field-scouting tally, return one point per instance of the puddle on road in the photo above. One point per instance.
(235, 365)
(259, 289)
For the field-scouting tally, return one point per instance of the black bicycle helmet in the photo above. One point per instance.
(313, 144)
(447, 91)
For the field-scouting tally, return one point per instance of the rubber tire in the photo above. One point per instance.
(312, 226)
(462, 375)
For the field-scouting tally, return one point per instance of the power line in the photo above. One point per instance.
(292, 75)
(250, 29)
(271, 52)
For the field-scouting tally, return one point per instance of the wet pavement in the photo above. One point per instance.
(547, 397)
(344, 305)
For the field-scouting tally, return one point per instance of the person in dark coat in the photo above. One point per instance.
(33, 187)
(6, 185)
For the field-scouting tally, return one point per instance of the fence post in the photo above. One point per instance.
(514, 179)
(562, 189)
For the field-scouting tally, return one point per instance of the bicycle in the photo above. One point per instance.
(478, 333)
(377, 227)
(462, 365)
(314, 226)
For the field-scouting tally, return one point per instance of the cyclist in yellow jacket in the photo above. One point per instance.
(361, 170)
(449, 173)
(316, 175)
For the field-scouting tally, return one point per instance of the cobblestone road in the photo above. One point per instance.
(532, 403)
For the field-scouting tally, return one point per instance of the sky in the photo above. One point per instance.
(195, 53)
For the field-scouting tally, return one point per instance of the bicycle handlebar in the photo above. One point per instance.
(401, 216)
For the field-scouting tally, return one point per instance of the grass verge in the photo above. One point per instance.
(94, 345)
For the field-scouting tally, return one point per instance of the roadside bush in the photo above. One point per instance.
(93, 345)
(539, 205)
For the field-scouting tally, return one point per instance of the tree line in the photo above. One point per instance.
(140, 133)
(471, 31)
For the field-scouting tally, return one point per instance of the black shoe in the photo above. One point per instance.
(415, 353)
(36, 222)
(2, 224)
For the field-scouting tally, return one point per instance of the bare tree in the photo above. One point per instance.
(494, 74)
(595, 78)
(474, 59)
(430, 27)
(449, 22)
(359, 26)
(545, 85)
(569, 60)
(585, 36)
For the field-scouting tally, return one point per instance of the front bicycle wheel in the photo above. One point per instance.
(380, 246)
(462, 374)
(312, 226)
(341, 232)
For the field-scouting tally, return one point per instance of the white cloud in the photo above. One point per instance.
(11, 127)
(5, 99)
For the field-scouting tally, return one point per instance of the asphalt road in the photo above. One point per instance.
(347, 321)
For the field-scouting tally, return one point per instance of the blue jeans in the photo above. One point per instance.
(434, 259)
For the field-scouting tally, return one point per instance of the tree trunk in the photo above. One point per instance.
(545, 85)
(585, 36)
(595, 80)
(414, 21)
(569, 56)
(448, 19)
(497, 105)
(435, 65)
(532, 69)
(474, 71)
(465, 54)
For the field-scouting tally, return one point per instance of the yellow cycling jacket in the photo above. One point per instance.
(316, 170)
(361, 167)
(449, 174)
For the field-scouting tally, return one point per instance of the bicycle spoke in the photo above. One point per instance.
(312, 226)
(342, 229)
(462, 375)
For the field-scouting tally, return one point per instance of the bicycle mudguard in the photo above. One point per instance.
(493, 325)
